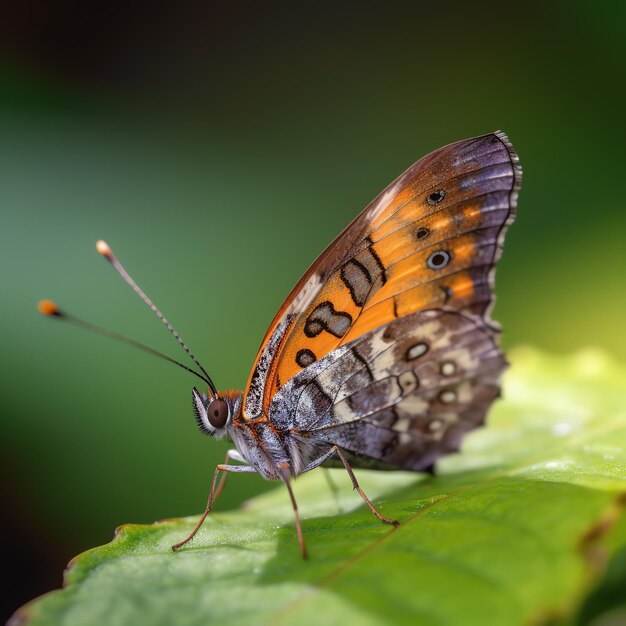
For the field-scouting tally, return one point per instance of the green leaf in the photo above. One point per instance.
(517, 529)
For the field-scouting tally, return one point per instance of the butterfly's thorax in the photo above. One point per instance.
(274, 451)
(276, 448)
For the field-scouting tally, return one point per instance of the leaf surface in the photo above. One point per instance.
(516, 529)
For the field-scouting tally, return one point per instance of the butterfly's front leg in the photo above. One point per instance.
(216, 489)
(235, 456)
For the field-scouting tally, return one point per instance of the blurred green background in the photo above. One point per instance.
(198, 141)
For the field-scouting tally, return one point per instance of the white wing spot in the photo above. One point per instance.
(408, 382)
(417, 350)
(402, 426)
(435, 425)
(411, 406)
(384, 201)
(448, 368)
(309, 290)
(447, 397)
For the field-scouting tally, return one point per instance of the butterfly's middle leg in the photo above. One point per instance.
(285, 478)
(216, 489)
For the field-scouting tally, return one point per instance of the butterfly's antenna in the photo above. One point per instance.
(103, 248)
(49, 308)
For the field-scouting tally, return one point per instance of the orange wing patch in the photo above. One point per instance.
(329, 319)
(430, 240)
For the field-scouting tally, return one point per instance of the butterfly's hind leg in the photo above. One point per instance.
(216, 489)
(355, 485)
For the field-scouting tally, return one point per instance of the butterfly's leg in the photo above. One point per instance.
(211, 499)
(294, 504)
(356, 486)
(235, 456)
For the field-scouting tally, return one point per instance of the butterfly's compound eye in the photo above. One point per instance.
(217, 413)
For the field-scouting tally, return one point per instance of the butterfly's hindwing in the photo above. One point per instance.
(402, 394)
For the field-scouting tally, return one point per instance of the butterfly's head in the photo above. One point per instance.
(215, 414)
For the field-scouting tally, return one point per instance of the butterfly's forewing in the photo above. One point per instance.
(400, 395)
(429, 240)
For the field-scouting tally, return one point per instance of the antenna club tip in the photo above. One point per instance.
(48, 307)
(103, 248)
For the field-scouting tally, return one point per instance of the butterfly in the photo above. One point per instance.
(384, 354)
